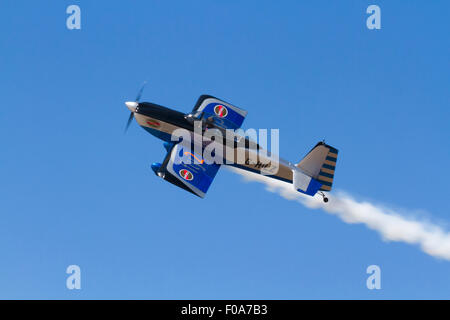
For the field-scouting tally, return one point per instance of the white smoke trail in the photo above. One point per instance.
(392, 226)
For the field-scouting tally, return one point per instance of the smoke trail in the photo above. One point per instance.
(392, 226)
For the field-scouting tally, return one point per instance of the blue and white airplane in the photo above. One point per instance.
(313, 174)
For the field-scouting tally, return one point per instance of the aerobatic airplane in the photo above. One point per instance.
(313, 174)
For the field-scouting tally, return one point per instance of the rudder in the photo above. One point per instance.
(320, 163)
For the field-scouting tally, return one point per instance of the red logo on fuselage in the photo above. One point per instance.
(186, 174)
(153, 123)
(221, 111)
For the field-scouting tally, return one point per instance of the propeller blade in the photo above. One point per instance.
(132, 106)
(130, 119)
(138, 97)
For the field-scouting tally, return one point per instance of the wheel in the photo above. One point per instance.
(325, 199)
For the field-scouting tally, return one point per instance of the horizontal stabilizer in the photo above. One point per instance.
(305, 184)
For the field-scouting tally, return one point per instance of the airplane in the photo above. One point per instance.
(313, 174)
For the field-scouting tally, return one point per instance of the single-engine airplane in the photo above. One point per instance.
(313, 174)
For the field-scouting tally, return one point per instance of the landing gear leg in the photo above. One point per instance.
(325, 199)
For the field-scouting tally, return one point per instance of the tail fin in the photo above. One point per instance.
(320, 164)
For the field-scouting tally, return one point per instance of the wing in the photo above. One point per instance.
(195, 177)
(224, 114)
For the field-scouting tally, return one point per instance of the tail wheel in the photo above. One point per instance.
(325, 199)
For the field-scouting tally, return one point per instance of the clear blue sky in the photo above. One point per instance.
(75, 190)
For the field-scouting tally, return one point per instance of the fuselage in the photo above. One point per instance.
(161, 122)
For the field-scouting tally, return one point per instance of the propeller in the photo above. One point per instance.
(132, 105)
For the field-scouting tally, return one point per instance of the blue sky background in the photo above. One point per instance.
(75, 190)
